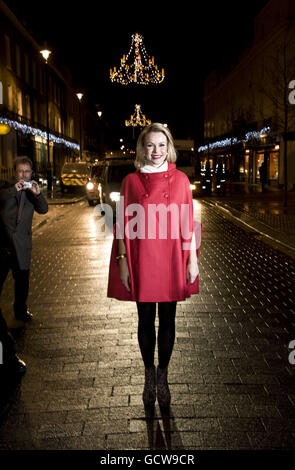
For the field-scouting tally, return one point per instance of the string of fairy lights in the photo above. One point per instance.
(250, 136)
(24, 129)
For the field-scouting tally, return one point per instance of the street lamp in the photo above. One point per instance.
(45, 54)
(99, 113)
(80, 96)
(4, 129)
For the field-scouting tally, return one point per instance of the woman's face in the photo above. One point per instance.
(155, 147)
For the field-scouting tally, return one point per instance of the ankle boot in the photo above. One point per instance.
(163, 391)
(149, 391)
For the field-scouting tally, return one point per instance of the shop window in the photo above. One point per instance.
(259, 160)
(273, 166)
(246, 167)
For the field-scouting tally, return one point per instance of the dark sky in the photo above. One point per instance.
(188, 39)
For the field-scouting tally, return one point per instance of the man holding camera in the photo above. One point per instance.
(18, 201)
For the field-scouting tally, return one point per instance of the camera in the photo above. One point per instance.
(27, 184)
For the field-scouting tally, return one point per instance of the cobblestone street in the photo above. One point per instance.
(232, 385)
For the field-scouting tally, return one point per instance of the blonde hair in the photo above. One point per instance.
(140, 160)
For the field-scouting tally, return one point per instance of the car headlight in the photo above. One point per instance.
(193, 186)
(90, 185)
(115, 196)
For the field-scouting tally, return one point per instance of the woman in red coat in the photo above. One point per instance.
(155, 249)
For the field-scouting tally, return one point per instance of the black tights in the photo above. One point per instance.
(147, 332)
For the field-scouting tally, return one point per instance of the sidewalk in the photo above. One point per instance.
(57, 197)
(262, 211)
(55, 200)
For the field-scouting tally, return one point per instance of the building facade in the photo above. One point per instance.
(248, 116)
(28, 84)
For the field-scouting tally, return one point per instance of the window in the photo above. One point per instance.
(58, 96)
(273, 166)
(10, 97)
(28, 107)
(19, 103)
(36, 114)
(27, 70)
(40, 80)
(71, 127)
(34, 74)
(18, 60)
(55, 92)
(8, 51)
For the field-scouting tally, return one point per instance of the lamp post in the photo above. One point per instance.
(45, 54)
(80, 96)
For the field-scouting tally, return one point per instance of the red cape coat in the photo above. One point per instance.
(157, 252)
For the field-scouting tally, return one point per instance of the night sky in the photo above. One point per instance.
(188, 39)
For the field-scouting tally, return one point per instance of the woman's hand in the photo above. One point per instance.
(192, 269)
(124, 273)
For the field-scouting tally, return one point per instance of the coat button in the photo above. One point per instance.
(146, 195)
(165, 195)
(165, 176)
(146, 177)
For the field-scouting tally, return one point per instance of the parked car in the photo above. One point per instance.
(75, 175)
(94, 185)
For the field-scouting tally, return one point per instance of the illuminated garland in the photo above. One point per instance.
(254, 135)
(138, 118)
(219, 144)
(34, 131)
(141, 70)
(257, 135)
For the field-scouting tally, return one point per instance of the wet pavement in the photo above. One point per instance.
(231, 382)
(264, 212)
(56, 196)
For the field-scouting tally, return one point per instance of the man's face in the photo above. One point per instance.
(23, 172)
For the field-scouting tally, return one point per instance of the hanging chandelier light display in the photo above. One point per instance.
(137, 66)
(138, 118)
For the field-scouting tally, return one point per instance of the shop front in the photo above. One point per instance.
(252, 161)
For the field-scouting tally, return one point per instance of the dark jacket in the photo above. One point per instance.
(18, 237)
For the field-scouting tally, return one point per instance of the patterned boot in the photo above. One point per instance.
(163, 391)
(149, 391)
